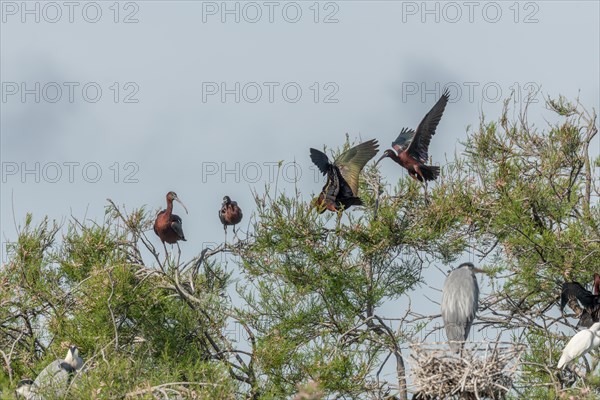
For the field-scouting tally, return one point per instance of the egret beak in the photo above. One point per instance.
(183, 205)
(481, 271)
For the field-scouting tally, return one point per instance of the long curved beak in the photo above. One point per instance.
(381, 158)
(183, 205)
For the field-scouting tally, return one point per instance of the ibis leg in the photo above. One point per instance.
(166, 253)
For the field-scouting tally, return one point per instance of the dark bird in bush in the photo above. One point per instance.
(341, 189)
(460, 300)
(411, 149)
(168, 226)
(583, 302)
(230, 214)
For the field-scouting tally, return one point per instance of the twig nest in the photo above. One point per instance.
(482, 370)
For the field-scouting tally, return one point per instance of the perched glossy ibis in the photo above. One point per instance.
(411, 149)
(460, 300)
(341, 189)
(583, 342)
(583, 302)
(230, 214)
(168, 226)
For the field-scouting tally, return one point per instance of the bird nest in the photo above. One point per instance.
(481, 371)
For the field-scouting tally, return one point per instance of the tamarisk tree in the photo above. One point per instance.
(307, 290)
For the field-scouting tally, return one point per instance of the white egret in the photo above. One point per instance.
(583, 342)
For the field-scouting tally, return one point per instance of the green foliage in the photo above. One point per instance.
(310, 285)
(535, 213)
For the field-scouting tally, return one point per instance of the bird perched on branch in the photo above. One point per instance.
(410, 149)
(583, 342)
(54, 380)
(583, 302)
(341, 189)
(230, 214)
(168, 226)
(460, 300)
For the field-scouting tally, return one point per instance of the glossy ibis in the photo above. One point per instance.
(583, 302)
(230, 214)
(460, 300)
(411, 149)
(341, 189)
(168, 226)
(583, 342)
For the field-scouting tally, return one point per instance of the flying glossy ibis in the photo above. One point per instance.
(460, 300)
(583, 302)
(230, 214)
(168, 226)
(410, 149)
(341, 189)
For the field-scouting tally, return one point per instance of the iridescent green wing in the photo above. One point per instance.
(352, 161)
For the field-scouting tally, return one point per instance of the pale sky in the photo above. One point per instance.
(203, 97)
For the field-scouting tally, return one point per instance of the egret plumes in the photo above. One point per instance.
(580, 344)
(460, 300)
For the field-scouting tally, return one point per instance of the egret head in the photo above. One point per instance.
(73, 358)
(595, 327)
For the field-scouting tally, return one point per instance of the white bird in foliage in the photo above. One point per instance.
(54, 379)
(460, 300)
(23, 390)
(583, 342)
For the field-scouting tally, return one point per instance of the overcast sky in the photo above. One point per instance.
(130, 101)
